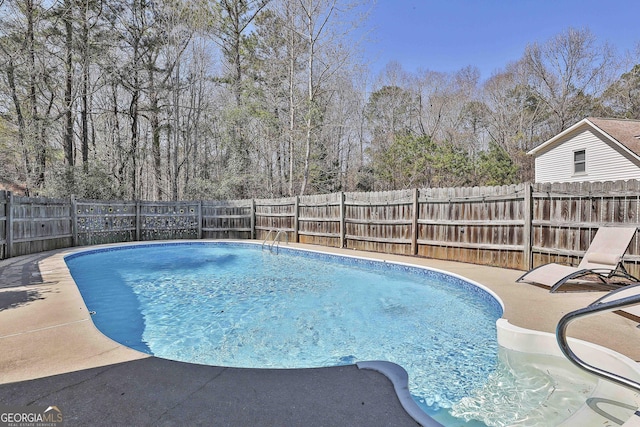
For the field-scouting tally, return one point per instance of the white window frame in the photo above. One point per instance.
(583, 162)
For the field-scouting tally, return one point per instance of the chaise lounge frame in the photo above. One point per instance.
(602, 260)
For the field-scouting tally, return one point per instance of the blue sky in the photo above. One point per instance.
(447, 35)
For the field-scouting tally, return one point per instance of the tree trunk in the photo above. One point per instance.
(176, 133)
(84, 113)
(154, 121)
(68, 92)
(310, 102)
(11, 79)
(34, 122)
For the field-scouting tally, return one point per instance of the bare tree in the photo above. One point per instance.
(514, 113)
(323, 33)
(30, 71)
(622, 97)
(567, 73)
(236, 98)
(67, 17)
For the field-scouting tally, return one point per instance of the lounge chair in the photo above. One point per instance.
(603, 261)
(632, 312)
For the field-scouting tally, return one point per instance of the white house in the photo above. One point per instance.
(594, 149)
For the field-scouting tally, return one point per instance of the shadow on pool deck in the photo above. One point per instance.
(52, 354)
(156, 392)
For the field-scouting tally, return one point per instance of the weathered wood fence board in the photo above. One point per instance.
(232, 219)
(276, 214)
(319, 219)
(482, 225)
(567, 216)
(379, 221)
(516, 226)
(37, 224)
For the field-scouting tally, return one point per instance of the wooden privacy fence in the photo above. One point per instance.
(483, 225)
(516, 226)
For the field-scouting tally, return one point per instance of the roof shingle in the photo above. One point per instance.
(626, 132)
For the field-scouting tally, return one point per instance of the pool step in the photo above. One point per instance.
(608, 404)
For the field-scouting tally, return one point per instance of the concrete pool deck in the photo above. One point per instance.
(52, 354)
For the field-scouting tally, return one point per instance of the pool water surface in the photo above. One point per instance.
(231, 304)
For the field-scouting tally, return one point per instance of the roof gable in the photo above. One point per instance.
(625, 133)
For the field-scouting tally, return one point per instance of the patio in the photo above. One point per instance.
(53, 355)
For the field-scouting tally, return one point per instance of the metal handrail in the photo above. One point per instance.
(598, 306)
(266, 238)
(276, 240)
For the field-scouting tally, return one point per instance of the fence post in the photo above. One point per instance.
(9, 224)
(343, 231)
(253, 219)
(414, 223)
(296, 217)
(74, 221)
(527, 234)
(199, 219)
(138, 233)
(3, 237)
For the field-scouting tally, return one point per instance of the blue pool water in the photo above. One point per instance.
(232, 304)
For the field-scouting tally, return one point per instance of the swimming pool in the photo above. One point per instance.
(232, 304)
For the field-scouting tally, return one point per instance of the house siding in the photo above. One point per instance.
(604, 161)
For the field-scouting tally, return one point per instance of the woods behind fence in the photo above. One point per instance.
(516, 226)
